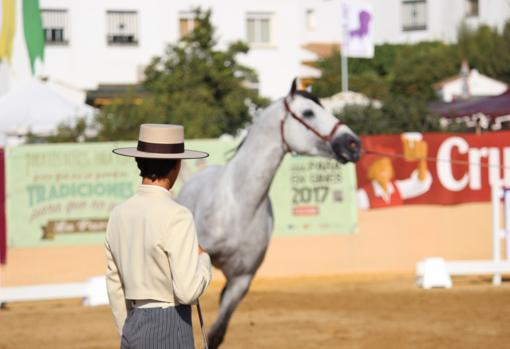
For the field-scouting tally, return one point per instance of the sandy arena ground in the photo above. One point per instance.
(326, 312)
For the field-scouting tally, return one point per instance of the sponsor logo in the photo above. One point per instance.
(305, 210)
(73, 226)
(495, 157)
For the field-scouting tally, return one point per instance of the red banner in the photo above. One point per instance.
(3, 228)
(431, 168)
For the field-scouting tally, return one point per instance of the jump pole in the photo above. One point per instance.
(506, 195)
(496, 192)
(500, 192)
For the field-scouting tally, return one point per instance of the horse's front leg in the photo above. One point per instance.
(234, 291)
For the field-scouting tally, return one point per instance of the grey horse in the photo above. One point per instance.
(230, 203)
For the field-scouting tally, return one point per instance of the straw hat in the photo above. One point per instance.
(161, 141)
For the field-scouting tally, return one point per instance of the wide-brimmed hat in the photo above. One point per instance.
(161, 141)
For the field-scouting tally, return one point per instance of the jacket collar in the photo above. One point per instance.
(152, 189)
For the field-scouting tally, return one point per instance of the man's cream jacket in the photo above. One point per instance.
(152, 253)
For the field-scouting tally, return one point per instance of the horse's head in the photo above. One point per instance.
(309, 129)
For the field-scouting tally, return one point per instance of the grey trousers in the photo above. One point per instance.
(158, 328)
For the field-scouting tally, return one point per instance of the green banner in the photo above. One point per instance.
(62, 194)
(34, 35)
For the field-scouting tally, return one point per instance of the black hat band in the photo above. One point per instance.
(176, 148)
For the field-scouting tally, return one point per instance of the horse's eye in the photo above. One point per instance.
(308, 113)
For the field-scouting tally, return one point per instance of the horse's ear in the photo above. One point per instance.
(293, 88)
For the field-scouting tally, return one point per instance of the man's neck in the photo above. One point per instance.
(163, 183)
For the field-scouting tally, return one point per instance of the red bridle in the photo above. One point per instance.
(325, 138)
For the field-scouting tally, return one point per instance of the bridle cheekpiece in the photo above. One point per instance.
(288, 111)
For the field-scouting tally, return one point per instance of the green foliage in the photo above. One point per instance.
(121, 119)
(395, 70)
(487, 50)
(395, 116)
(66, 133)
(419, 66)
(330, 81)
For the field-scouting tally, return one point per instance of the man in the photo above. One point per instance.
(155, 267)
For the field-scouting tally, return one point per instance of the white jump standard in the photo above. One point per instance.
(435, 272)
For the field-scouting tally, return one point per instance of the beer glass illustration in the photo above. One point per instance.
(416, 149)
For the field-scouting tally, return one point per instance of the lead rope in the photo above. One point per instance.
(202, 326)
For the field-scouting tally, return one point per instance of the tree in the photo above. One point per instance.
(419, 66)
(397, 115)
(395, 70)
(193, 84)
(487, 50)
(66, 133)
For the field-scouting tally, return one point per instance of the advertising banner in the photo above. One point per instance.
(62, 194)
(358, 32)
(432, 168)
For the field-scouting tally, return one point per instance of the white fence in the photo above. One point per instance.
(436, 272)
(93, 292)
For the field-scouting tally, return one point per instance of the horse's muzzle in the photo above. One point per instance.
(347, 147)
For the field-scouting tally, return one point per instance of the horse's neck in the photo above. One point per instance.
(252, 169)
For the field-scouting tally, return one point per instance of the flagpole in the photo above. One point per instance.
(345, 73)
(343, 48)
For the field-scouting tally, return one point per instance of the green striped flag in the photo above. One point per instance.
(34, 37)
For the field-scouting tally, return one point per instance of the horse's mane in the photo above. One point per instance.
(232, 152)
(310, 96)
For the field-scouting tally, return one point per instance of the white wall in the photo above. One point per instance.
(88, 61)
(443, 19)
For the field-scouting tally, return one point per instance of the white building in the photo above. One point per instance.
(109, 42)
(409, 21)
(473, 84)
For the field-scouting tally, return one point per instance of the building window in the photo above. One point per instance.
(311, 20)
(187, 23)
(122, 27)
(258, 28)
(55, 26)
(472, 9)
(414, 15)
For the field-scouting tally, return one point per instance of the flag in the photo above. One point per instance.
(8, 20)
(34, 36)
(358, 23)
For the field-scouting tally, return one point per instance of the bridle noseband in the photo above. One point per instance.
(325, 138)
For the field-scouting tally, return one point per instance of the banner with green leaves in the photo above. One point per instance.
(62, 194)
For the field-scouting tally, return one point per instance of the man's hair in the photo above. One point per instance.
(155, 168)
